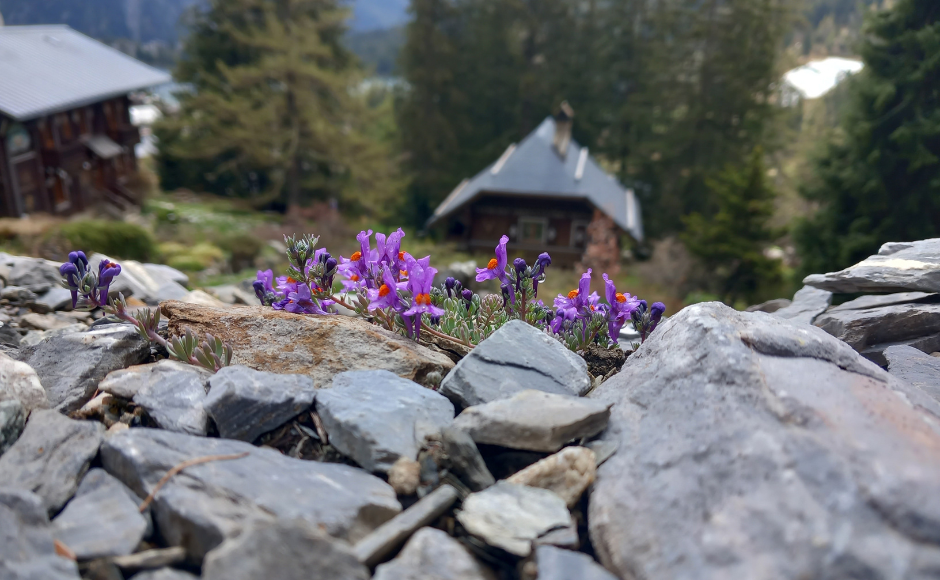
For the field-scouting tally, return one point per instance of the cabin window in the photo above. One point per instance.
(533, 230)
(18, 140)
(64, 127)
(579, 233)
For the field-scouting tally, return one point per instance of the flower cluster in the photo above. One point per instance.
(394, 289)
(90, 291)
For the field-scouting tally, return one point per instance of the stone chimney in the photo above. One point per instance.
(563, 122)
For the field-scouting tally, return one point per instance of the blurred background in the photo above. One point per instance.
(693, 149)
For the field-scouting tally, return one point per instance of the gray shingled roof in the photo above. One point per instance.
(47, 69)
(534, 168)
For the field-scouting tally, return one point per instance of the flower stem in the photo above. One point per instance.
(445, 336)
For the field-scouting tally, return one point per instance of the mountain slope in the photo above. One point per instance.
(378, 14)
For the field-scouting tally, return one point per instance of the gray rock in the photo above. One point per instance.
(388, 537)
(163, 274)
(232, 294)
(534, 421)
(916, 368)
(862, 329)
(897, 267)
(293, 550)
(209, 502)
(433, 555)
(164, 574)
(463, 459)
(102, 519)
(70, 381)
(511, 516)
(174, 394)
(51, 456)
(9, 336)
(27, 551)
(19, 382)
(56, 298)
(16, 294)
(244, 403)
(515, 358)
(150, 559)
(750, 447)
(876, 300)
(567, 473)
(808, 303)
(35, 274)
(34, 337)
(12, 421)
(769, 306)
(557, 564)
(375, 417)
(876, 354)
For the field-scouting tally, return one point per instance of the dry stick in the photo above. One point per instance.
(181, 467)
(445, 336)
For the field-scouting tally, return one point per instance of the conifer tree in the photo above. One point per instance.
(878, 179)
(732, 242)
(274, 105)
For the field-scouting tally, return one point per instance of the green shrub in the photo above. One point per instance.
(191, 258)
(242, 247)
(116, 239)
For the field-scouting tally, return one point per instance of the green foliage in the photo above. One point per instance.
(377, 49)
(878, 178)
(731, 243)
(667, 92)
(115, 239)
(274, 115)
(191, 258)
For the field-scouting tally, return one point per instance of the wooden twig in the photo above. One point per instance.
(321, 431)
(64, 551)
(181, 467)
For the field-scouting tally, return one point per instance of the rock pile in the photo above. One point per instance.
(729, 445)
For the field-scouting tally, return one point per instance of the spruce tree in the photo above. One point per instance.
(731, 243)
(274, 105)
(878, 179)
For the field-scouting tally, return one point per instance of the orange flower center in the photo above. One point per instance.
(621, 298)
(402, 273)
(572, 294)
(423, 299)
(354, 277)
(384, 290)
(593, 308)
(291, 280)
(492, 264)
(401, 255)
(356, 257)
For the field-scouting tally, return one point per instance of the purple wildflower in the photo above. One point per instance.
(107, 270)
(520, 266)
(541, 263)
(621, 309)
(449, 285)
(579, 303)
(496, 268)
(356, 268)
(386, 296)
(73, 271)
(301, 302)
(420, 280)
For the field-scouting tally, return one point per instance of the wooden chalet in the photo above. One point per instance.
(66, 138)
(543, 193)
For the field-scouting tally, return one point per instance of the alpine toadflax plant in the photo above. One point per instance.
(90, 290)
(396, 290)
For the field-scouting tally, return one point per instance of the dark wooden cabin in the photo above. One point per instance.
(66, 139)
(542, 193)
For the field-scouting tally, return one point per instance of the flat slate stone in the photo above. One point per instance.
(875, 300)
(12, 421)
(102, 519)
(164, 574)
(70, 381)
(916, 368)
(317, 346)
(291, 550)
(515, 358)
(754, 448)
(245, 403)
(534, 421)
(511, 516)
(173, 394)
(433, 555)
(770, 306)
(808, 303)
(27, 551)
(18, 381)
(51, 456)
(464, 460)
(209, 502)
(56, 298)
(558, 564)
(929, 344)
(375, 417)
(897, 267)
(862, 329)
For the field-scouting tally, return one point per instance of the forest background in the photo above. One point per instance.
(382, 112)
